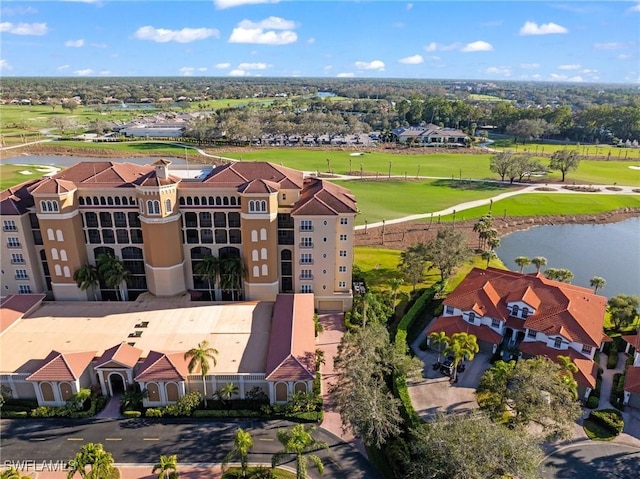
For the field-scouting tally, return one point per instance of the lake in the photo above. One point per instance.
(611, 251)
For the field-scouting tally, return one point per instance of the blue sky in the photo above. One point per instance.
(485, 40)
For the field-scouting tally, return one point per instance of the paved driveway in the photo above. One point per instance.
(435, 394)
(585, 460)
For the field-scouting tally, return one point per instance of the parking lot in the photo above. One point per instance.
(434, 393)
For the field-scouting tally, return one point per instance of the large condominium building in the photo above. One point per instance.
(286, 232)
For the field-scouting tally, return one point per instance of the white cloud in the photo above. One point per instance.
(373, 65)
(624, 56)
(223, 65)
(222, 4)
(99, 45)
(202, 69)
(187, 71)
(478, 46)
(529, 66)
(83, 73)
(237, 73)
(4, 65)
(500, 70)
(409, 6)
(263, 33)
(435, 58)
(275, 23)
(345, 75)
(105, 72)
(532, 28)
(562, 77)
(186, 35)
(252, 66)
(7, 11)
(608, 46)
(569, 67)
(36, 29)
(328, 68)
(589, 71)
(635, 8)
(74, 43)
(63, 67)
(412, 60)
(431, 47)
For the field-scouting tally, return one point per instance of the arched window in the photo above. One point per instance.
(67, 272)
(256, 271)
(58, 270)
(54, 253)
(300, 387)
(153, 207)
(233, 201)
(514, 310)
(263, 253)
(263, 205)
(59, 235)
(103, 201)
(153, 393)
(211, 201)
(218, 201)
(172, 392)
(252, 206)
(81, 201)
(472, 317)
(189, 201)
(181, 201)
(47, 392)
(43, 206)
(168, 206)
(281, 392)
(63, 255)
(225, 201)
(254, 235)
(263, 234)
(89, 202)
(66, 392)
(109, 200)
(254, 255)
(117, 200)
(196, 201)
(50, 234)
(96, 201)
(203, 200)
(265, 270)
(125, 201)
(132, 202)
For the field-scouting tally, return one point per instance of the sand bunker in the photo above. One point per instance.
(635, 167)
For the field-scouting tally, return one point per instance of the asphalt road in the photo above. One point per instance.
(144, 440)
(601, 460)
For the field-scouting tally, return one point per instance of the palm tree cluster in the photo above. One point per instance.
(488, 239)
(299, 441)
(108, 270)
(227, 272)
(459, 346)
(92, 462)
(199, 358)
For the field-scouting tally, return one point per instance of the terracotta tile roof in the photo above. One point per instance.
(163, 367)
(122, 354)
(241, 172)
(17, 199)
(633, 340)
(63, 366)
(292, 345)
(632, 380)
(151, 179)
(104, 173)
(14, 307)
(321, 197)
(587, 368)
(53, 186)
(573, 311)
(259, 186)
(456, 324)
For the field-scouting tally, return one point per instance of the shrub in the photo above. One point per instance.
(225, 413)
(593, 401)
(153, 412)
(609, 418)
(44, 411)
(612, 358)
(132, 414)
(13, 414)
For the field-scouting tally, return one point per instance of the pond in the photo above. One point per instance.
(611, 251)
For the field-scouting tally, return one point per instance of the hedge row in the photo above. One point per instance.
(612, 358)
(617, 391)
(611, 419)
(97, 405)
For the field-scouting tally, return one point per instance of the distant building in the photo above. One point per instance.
(430, 135)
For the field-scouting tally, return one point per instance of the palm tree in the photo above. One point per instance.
(440, 339)
(114, 274)
(483, 224)
(395, 284)
(522, 261)
(232, 272)
(209, 269)
(11, 473)
(87, 278)
(489, 255)
(99, 461)
(493, 243)
(199, 357)
(597, 283)
(462, 345)
(568, 369)
(226, 392)
(299, 441)
(167, 468)
(539, 262)
(242, 444)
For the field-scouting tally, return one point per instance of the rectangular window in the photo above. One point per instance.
(235, 236)
(24, 289)
(13, 242)
(306, 242)
(342, 269)
(105, 220)
(557, 343)
(586, 349)
(219, 220)
(342, 284)
(344, 221)
(306, 274)
(495, 323)
(17, 258)
(221, 236)
(9, 225)
(21, 274)
(449, 310)
(120, 219)
(343, 237)
(134, 219)
(531, 334)
(306, 225)
(205, 220)
(206, 236)
(306, 258)
(37, 237)
(91, 220)
(343, 253)
(192, 236)
(108, 236)
(285, 237)
(306, 288)
(136, 236)
(234, 220)
(33, 220)
(122, 236)
(94, 236)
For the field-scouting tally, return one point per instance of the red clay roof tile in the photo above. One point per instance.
(62, 366)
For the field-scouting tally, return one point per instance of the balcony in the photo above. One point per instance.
(306, 245)
(14, 245)
(21, 277)
(306, 277)
(306, 228)
(18, 261)
(306, 261)
(9, 228)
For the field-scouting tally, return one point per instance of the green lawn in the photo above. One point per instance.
(546, 204)
(146, 147)
(383, 199)
(597, 432)
(11, 175)
(600, 151)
